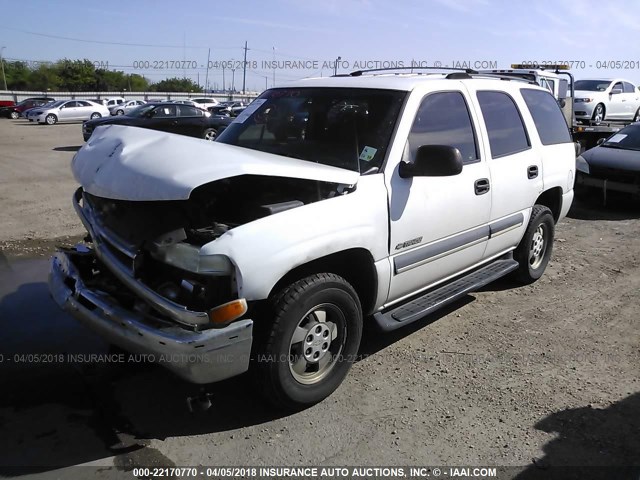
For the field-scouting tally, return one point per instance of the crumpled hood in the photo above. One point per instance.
(130, 163)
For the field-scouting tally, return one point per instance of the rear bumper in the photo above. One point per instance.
(199, 357)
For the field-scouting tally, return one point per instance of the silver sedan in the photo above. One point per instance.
(69, 111)
(126, 107)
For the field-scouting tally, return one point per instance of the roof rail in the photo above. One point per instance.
(358, 73)
(507, 77)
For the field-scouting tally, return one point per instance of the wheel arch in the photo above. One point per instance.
(355, 265)
(552, 199)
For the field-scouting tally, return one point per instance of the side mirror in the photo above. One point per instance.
(616, 91)
(600, 141)
(433, 161)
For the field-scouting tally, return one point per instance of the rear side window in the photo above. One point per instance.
(507, 134)
(628, 88)
(547, 116)
(443, 119)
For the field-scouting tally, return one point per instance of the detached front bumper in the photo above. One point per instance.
(607, 185)
(197, 356)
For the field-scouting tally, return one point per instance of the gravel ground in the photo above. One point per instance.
(533, 376)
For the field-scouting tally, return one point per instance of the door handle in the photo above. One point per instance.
(532, 172)
(482, 186)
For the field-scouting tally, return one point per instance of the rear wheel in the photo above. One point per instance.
(210, 134)
(120, 112)
(312, 342)
(95, 115)
(636, 117)
(598, 113)
(51, 119)
(534, 251)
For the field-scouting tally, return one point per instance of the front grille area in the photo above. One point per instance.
(127, 230)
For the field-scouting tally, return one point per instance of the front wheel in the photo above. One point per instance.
(95, 115)
(312, 342)
(120, 112)
(636, 117)
(598, 113)
(15, 115)
(210, 134)
(51, 119)
(534, 251)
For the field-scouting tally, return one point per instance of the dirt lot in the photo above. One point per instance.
(532, 376)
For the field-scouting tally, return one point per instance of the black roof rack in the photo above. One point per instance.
(358, 73)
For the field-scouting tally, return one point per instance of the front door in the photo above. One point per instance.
(438, 224)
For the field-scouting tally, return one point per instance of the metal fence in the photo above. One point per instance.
(18, 96)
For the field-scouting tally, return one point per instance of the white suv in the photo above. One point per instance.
(601, 99)
(326, 206)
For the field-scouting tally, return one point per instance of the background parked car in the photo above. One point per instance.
(613, 166)
(190, 103)
(168, 117)
(597, 99)
(205, 103)
(69, 111)
(126, 107)
(16, 110)
(228, 108)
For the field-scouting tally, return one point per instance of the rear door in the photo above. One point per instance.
(438, 225)
(516, 169)
(191, 121)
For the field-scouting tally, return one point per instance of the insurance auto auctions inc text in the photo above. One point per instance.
(374, 64)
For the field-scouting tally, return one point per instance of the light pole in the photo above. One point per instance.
(335, 66)
(2, 64)
(274, 68)
(233, 80)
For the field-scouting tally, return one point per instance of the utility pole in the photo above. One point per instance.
(244, 73)
(274, 68)
(223, 82)
(206, 78)
(2, 64)
(335, 66)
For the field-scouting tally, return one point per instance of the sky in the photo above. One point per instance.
(161, 39)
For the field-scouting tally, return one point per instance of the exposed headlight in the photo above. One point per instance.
(583, 100)
(582, 165)
(187, 257)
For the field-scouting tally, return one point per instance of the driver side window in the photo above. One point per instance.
(443, 119)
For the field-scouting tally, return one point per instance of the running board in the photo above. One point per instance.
(435, 299)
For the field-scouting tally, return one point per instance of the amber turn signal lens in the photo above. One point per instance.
(227, 312)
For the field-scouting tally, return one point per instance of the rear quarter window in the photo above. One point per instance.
(547, 116)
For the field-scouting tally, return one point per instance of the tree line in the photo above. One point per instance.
(83, 76)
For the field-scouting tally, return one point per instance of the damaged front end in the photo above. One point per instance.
(141, 281)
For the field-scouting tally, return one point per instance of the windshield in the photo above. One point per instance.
(341, 127)
(628, 138)
(592, 85)
(141, 110)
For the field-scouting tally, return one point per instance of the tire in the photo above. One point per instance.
(534, 251)
(598, 113)
(51, 119)
(636, 117)
(95, 115)
(311, 343)
(120, 112)
(210, 134)
(14, 115)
